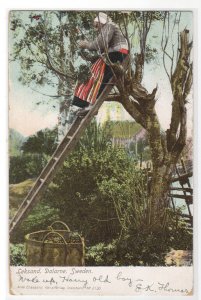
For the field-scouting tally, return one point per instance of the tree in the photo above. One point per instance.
(101, 193)
(165, 148)
(35, 152)
(45, 46)
(43, 142)
(44, 41)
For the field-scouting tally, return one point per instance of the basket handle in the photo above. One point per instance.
(60, 222)
(66, 226)
(54, 232)
(43, 244)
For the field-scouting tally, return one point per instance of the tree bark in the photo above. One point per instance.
(165, 147)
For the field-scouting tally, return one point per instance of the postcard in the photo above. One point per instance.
(101, 152)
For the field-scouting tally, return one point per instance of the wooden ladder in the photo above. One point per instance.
(65, 147)
(187, 191)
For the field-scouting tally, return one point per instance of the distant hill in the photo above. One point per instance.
(16, 140)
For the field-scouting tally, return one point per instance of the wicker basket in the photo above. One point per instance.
(54, 247)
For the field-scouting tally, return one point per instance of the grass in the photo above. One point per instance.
(17, 193)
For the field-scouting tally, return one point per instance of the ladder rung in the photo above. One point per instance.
(184, 177)
(188, 198)
(28, 201)
(181, 196)
(186, 216)
(55, 158)
(188, 190)
(64, 148)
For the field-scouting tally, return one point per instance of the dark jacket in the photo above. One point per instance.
(109, 39)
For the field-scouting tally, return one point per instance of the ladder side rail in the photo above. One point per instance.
(182, 185)
(185, 170)
(70, 145)
(49, 170)
(49, 165)
(191, 192)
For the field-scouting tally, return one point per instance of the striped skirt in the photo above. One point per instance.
(86, 93)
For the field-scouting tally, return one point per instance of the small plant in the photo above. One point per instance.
(17, 255)
(141, 247)
(101, 254)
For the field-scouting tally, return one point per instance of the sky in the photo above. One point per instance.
(27, 118)
(24, 115)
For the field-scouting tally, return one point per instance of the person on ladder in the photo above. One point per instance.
(113, 47)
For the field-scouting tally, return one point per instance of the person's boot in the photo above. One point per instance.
(83, 111)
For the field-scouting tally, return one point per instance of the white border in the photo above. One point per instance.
(7, 5)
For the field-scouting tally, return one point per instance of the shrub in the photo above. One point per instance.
(142, 247)
(17, 255)
(26, 166)
(39, 219)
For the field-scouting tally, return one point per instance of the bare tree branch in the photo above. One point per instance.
(181, 82)
(188, 83)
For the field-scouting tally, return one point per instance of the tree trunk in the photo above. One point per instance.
(158, 196)
(165, 147)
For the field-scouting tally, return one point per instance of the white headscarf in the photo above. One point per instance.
(102, 18)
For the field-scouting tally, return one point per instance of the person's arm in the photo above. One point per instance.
(103, 39)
